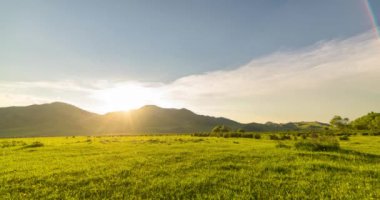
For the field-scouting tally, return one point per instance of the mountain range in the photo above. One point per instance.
(61, 119)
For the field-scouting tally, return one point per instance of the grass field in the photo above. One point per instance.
(185, 167)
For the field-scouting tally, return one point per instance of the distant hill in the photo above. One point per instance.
(46, 119)
(60, 119)
(153, 119)
(57, 119)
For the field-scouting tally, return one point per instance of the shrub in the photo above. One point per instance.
(257, 136)
(343, 133)
(201, 134)
(226, 135)
(273, 137)
(220, 129)
(282, 145)
(247, 135)
(344, 137)
(12, 144)
(314, 135)
(285, 137)
(234, 134)
(376, 133)
(326, 143)
(35, 144)
(365, 134)
(240, 130)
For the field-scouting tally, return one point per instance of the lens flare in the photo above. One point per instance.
(372, 16)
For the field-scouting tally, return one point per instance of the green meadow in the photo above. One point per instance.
(186, 167)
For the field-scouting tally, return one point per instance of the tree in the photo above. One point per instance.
(339, 122)
(375, 123)
(220, 129)
(240, 130)
(371, 121)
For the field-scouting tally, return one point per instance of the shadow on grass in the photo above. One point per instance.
(361, 154)
(33, 145)
(344, 155)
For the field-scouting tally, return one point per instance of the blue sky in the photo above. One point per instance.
(160, 40)
(119, 55)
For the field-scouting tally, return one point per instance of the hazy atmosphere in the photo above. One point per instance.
(189, 99)
(250, 61)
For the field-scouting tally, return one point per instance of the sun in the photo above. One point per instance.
(129, 96)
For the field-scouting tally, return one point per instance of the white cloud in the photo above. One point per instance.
(314, 83)
(335, 77)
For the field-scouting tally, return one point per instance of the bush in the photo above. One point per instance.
(376, 133)
(314, 135)
(35, 144)
(219, 130)
(12, 144)
(201, 134)
(240, 130)
(327, 143)
(226, 135)
(343, 134)
(257, 136)
(247, 135)
(234, 134)
(285, 137)
(344, 137)
(282, 145)
(365, 134)
(273, 137)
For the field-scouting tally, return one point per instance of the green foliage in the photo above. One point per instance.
(324, 143)
(247, 135)
(291, 126)
(205, 134)
(339, 122)
(285, 137)
(376, 133)
(274, 137)
(344, 137)
(282, 145)
(5, 144)
(229, 135)
(281, 137)
(221, 129)
(240, 130)
(371, 121)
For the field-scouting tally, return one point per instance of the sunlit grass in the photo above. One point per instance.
(185, 167)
